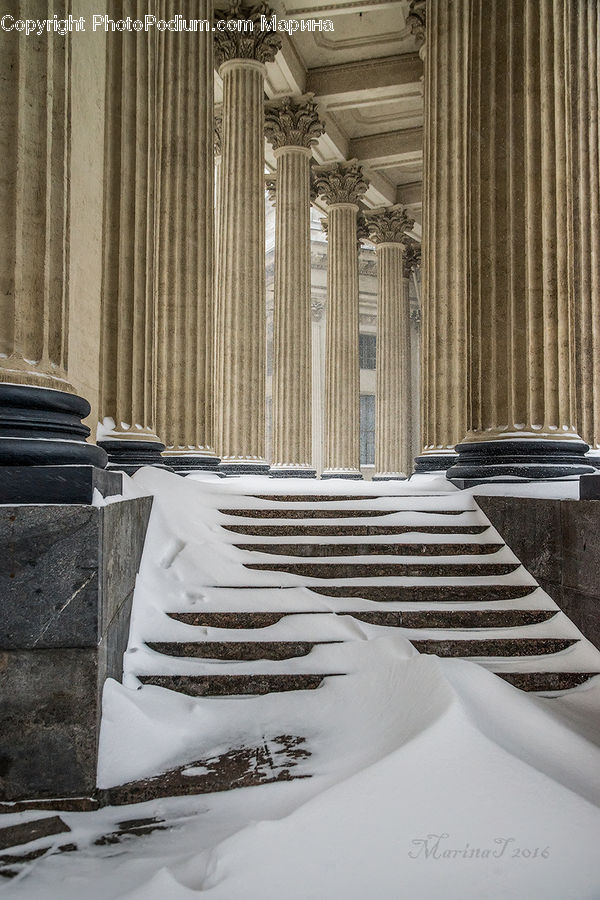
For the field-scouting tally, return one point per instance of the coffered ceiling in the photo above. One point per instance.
(366, 76)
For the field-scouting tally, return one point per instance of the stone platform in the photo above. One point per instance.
(67, 575)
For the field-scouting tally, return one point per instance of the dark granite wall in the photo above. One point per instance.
(558, 541)
(67, 575)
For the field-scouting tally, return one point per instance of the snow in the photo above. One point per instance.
(428, 777)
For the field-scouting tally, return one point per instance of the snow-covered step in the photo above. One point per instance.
(255, 650)
(387, 570)
(262, 512)
(311, 530)
(216, 685)
(426, 593)
(423, 618)
(315, 551)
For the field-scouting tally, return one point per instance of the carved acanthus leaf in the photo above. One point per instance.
(340, 182)
(388, 224)
(293, 122)
(256, 43)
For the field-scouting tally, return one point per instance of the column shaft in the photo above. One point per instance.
(40, 412)
(445, 274)
(292, 368)
(184, 262)
(34, 200)
(341, 456)
(127, 431)
(584, 37)
(521, 405)
(391, 398)
(240, 372)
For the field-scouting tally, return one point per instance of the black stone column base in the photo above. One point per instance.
(292, 472)
(593, 458)
(243, 468)
(434, 462)
(129, 456)
(518, 460)
(184, 465)
(352, 476)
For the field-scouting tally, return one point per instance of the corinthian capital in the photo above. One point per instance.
(363, 232)
(271, 187)
(293, 122)
(412, 258)
(416, 22)
(256, 43)
(388, 224)
(340, 182)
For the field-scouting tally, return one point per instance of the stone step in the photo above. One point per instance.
(546, 681)
(351, 530)
(426, 593)
(423, 618)
(314, 551)
(387, 570)
(287, 513)
(231, 685)
(247, 651)
(236, 650)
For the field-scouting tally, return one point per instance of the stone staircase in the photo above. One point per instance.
(431, 565)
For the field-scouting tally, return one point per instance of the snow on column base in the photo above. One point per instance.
(128, 456)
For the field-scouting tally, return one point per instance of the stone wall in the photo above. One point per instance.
(558, 541)
(66, 586)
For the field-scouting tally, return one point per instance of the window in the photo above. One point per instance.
(367, 429)
(367, 350)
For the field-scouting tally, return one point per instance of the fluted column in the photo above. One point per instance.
(392, 430)
(127, 430)
(292, 126)
(584, 38)
(184, 247)
(521, 413)
(445, 236)
(341, 185)
(40, 412)
(240, 369)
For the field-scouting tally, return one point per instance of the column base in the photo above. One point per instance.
(43, 427)
(129, 456)
(243, 468)
(515, 460)
(351, 474)
(434, 462)
(185, 465)
(390, 476)
(292, 472)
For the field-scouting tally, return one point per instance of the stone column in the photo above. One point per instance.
(445, 237)
(341, 185)
(40, 412)
(240, 369)
(292, 126)
(127, 430)
(184, 245)
(521, 402)
(387, 228)
(411, 266)
(584, 37)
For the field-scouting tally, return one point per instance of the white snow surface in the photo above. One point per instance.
(429, 778)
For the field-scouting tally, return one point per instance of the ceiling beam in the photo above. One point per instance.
(350, 81)
(379, 149)
(410, 194)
